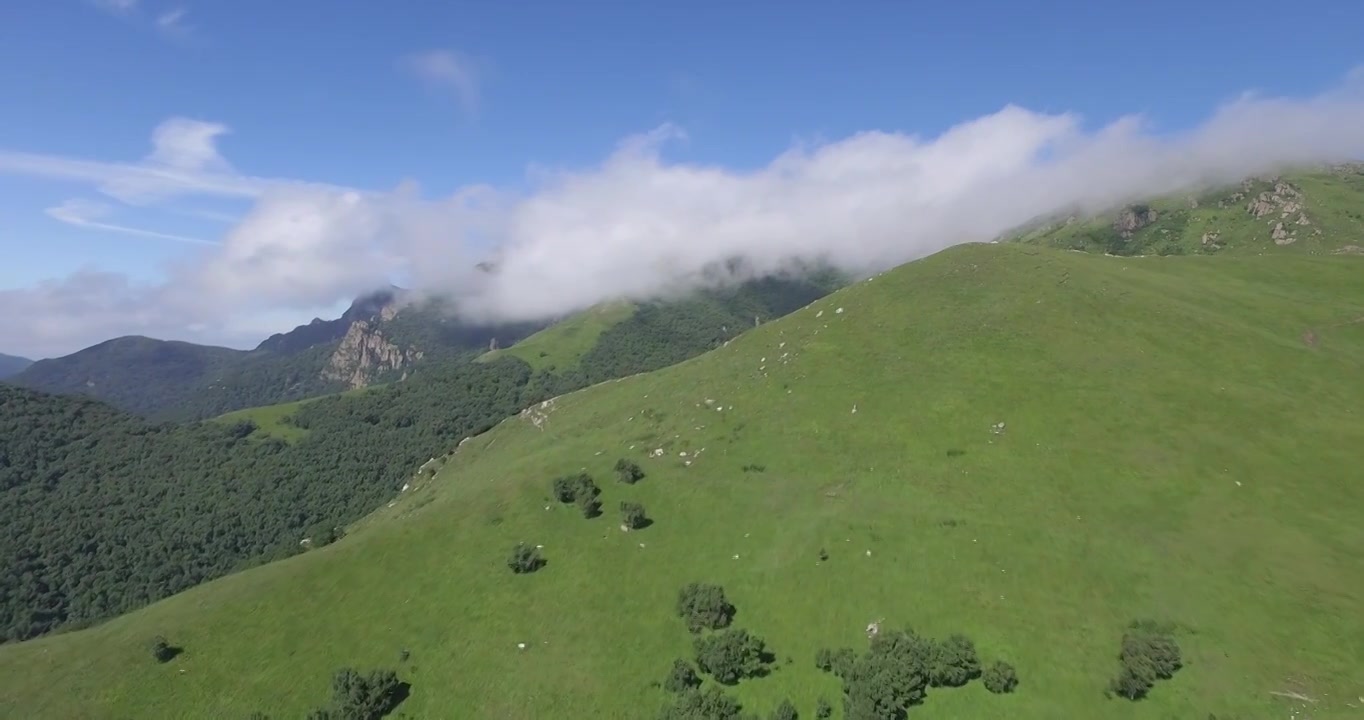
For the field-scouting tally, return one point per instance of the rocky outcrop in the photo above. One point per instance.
(364, 354)
(1284, 199)
(1134, 218)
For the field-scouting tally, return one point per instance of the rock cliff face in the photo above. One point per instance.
(364, 354)
(1134, 218)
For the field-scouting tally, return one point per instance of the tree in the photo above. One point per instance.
(1000, 678)
(785, 711)
(162, 650)
(362, 697)
(732, 655)
(704, 607)
(628, 472)
(890, 677)
(525, 558)
(681, 678)
(955, 662)
(823, 710)
(632, 515)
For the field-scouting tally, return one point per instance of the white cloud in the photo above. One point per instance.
(87, 214)
(448, 71)
(637, 224)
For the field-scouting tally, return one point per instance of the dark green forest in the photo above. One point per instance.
(102, 511)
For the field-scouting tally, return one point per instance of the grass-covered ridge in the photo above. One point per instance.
(1180, 442)
(560, 346)
(1312, 212)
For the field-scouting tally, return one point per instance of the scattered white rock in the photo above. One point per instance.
(854, 409)
(1238, 483)
(405, 487)
(736, 557)
(868, 553)
(641, 544)
(819, 314)
(838, 311)
(686, 463)
(520, 646)
(682, 454)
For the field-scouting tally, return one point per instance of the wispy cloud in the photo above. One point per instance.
(119, 7)
(89, 214)
(448, 71)
(184, 161)
(636, 225)
(172, 22)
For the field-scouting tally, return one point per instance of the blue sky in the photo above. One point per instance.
(367, 96)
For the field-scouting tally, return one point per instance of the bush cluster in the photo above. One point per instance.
(897, 669)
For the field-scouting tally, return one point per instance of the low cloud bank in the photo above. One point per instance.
(636, 224)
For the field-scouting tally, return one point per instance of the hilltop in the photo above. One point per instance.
(1029, 446)
(1318, 211)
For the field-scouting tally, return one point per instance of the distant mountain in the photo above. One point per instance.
(376, 340)
(11, 364)
(139, 374)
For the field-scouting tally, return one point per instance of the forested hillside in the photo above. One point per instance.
(103, 512)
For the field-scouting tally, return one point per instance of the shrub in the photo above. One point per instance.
(632, 515)
(573, 488)
(682, 677)
(563, 489)
(162, 650)
(704, 607)
(955, 663)
(785, 711)
(628, 472)
(525, 559)
(732, 655)
(1149, 653)
(590, 505)
(823, 709)
(1000, 678)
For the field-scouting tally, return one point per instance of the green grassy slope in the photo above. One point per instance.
(272, 421)
(1316, 212)
(559, 346)
(1181, 443)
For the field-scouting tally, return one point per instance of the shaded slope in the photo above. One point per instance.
(138, 374)
(12, 364)
(1181, 443)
